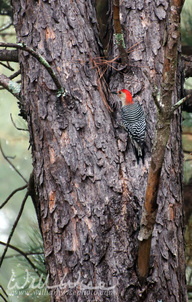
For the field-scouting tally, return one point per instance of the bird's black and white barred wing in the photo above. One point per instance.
(133, 119)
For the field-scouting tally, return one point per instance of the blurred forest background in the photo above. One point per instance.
(15, 269)
(15, 145)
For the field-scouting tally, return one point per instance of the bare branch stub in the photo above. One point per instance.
(11, 86)
(180, 103)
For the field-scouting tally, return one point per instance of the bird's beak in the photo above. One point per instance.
(114, 92)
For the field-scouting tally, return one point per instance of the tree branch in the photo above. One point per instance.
(179, 103)
(27, 254)
(9, 55)
(150, 207)
(14, 227)
(16, 170)
(12, 194)
(4, 294)
(13, 87)
(23, 254)
(3, 298)
(14, 75)
(41, 60)
(20, 129)
(7, 66)
(6, 26)
(3, 291)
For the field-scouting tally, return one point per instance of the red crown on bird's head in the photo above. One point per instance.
(126, 96)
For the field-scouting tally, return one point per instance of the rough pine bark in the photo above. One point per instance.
(89, 186)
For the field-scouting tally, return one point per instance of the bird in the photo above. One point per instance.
(133, 121)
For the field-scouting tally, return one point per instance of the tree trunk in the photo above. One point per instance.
(90, 188)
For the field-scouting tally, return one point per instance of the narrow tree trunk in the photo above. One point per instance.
(90, 188)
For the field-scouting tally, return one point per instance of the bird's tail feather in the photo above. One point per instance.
(139, 151)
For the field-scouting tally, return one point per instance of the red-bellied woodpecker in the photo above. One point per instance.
(133, 119)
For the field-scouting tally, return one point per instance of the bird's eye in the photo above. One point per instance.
(119, 92)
